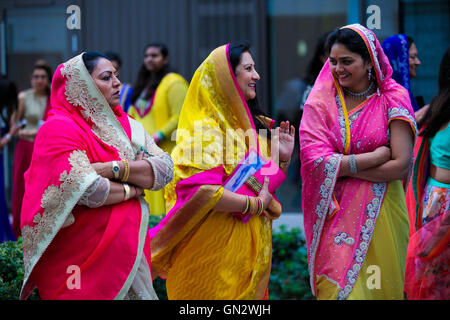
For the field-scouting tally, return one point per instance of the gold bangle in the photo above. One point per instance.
(126, 187)
(126, 174)
(260, 206)
(253, 206)
(246, 205)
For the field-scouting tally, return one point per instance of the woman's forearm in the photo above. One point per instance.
(140, 172)
(231, 202)
(117, 193)
(389, 171)
(364, 161)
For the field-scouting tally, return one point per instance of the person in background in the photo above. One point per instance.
(32, 105)
(356, 141)
(125, 88)
(404, 59)
(8, 104)
(314, 67)
(427, 267)
(156, 101)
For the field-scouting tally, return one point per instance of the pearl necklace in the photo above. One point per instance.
(359, 95)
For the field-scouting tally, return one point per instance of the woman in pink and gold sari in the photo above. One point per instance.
(356, 139)
(215, 242)
(84, 224)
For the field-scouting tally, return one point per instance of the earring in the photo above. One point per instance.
(369, 74)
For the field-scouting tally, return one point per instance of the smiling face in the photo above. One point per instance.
(154, 60)
(414, 61)
(247, 76)
(349, 68)
(105, 77)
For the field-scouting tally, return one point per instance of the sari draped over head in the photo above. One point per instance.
(204, 253)
(104, 246)
(340, 214)
(396, 49)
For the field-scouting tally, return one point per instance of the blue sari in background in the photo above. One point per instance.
(397, 50)
(6, 233)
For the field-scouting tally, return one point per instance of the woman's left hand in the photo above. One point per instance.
(103, 169)
(285, 135)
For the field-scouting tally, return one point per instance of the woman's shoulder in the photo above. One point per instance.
(173, 78)
(57, 124)
(24, 93)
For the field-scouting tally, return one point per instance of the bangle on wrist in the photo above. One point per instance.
(126, 174)
(260, 206)
(126, 188)
(247, 207)
(352, 164)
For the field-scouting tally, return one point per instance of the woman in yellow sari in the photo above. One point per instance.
(215, 242)
(156, 100)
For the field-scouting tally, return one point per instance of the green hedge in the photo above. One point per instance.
(12, 271)
(289, 277)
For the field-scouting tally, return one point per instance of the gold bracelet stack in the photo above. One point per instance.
(253, 206)
(126, 188)
(126, 174)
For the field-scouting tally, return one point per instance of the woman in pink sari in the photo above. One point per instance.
(356, 139)
(84, 224)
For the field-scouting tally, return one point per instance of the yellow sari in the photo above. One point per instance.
(204, 253)
(161, 116)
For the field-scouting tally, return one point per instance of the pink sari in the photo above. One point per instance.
(62, 240)
(340, 214)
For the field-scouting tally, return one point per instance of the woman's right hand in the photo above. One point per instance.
(264, 194)
(382, 154)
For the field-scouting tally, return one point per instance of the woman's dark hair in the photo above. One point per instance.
(8, 99)
(351, 40)
(410, 41)
(439, 111)
(91, 58)
(145, 80)
(316, 64)
(112, 56)
(43, 65)
(235, 52)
